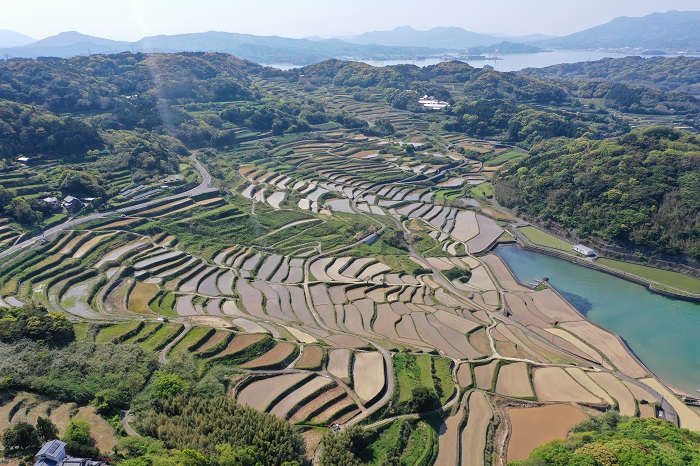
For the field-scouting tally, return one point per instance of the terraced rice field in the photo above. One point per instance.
(289, 262)
(368, 375)
(532, 427)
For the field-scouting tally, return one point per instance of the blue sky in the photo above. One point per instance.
(134, 19)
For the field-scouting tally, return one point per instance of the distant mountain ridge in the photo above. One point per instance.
(13, 39)
(261, 49)
(438, 37)
(670, 31)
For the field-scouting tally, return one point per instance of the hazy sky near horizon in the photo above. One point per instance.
(134, 19)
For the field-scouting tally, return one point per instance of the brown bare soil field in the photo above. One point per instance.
(347, 341)
(525, 312)
(331, 411)
(502, 273)
(586, 382)
(286, 404)
(555, 384)
(610, 383)
(489, 231)
(239, 342)
(339, 363)
(689, 418)
(328, 396)
(647, 411)
(608, 344)
(466, 226)
(587, 350)
(551, 305)
(213, 340)
(464, 375)
(261, 393)
(514, 380)
(532, 427)
(483, 375)
(474, 433)
(407, 329)
(480, 342)
(481, 279)
(385, 321)
(311, 359)
(639, 393)
(368, 375)
(448, 442)
(276, 355)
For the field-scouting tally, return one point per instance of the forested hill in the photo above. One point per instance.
(665, 74)
(640, 190)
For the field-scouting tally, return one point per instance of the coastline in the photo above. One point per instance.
(627, 348)
(649, 285)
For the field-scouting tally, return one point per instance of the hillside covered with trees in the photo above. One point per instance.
(640, 190)
(665, 74)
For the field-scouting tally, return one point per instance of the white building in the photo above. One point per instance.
(586, 251)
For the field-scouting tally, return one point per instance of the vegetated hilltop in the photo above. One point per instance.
(673, 31)
(613, 439)
(641, 190)
(665, 74)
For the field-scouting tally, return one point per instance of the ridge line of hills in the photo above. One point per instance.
(672, 31)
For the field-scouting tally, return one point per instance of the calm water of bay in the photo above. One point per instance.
(510, 62)
(664, 333)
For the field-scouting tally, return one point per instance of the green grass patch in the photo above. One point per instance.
(192, 337)
(503, 157)
(482, 190)
(162, 337)
(116, 331)
(443, 374)
(666, 277)
(543, 238)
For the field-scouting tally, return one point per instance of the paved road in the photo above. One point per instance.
(203, 187)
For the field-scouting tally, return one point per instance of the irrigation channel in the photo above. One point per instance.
(662, 332)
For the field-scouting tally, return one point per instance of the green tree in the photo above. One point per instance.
(45, 429)
(20, 437)
(78, 439)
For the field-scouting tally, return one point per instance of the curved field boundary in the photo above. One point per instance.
(312, 358)
(514, 380)
(261, 394)
(555, 384)
(532, 427)
(194, 340)
(582, 377)
(484, 375)
(299, 397)
(625, 401)
(369, 376)
(473, 439)
(215, 343)
(339, 363)
(278, 357)
(449, 438)
(319, 404)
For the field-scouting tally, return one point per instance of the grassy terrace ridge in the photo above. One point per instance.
(542, 238)
(665, 277)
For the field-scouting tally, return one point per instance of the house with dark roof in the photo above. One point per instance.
(72, 203)
(53, 453)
